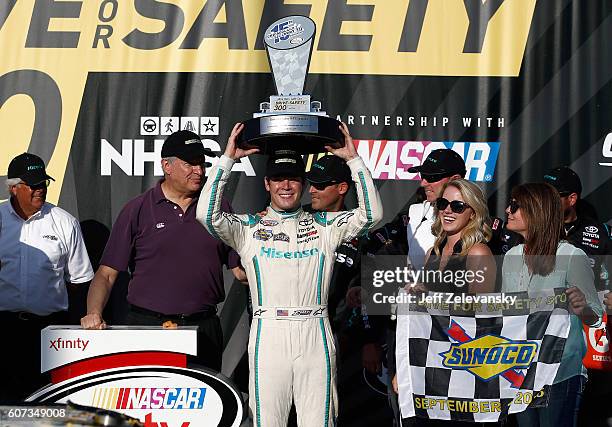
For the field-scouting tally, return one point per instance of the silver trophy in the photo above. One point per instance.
(290, 120)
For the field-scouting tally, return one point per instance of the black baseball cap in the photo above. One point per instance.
(329, 169)
(186, 146)
(29, 168)
(565, 180)
(441, 163)
(285, 163)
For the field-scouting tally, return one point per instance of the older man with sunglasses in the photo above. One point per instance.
(41, 251)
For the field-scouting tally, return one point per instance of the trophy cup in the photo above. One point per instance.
(290, 120)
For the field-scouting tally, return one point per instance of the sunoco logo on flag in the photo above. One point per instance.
(489, 356)
(481, 363)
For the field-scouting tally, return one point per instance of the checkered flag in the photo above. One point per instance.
(466, 362)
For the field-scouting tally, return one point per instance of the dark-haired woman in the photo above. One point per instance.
(545, 261)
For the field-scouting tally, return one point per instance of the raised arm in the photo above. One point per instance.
(347, 225)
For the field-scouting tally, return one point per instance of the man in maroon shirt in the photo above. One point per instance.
(175, 264)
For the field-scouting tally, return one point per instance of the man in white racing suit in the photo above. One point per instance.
(288, 255)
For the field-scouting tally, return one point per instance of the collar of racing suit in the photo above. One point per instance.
(273, 213)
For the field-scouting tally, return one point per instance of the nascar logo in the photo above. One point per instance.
(489, 356)
(392, 159)
(149, 398)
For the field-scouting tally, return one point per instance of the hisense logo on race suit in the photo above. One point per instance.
(277, 254)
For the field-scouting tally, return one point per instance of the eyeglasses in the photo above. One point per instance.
(457, 206)
(39, 186)
(321, 186)
(513, 206)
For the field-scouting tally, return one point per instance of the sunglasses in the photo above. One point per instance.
(39, 186)
(433, 178)
(321, 186)
(457, 206)
(513, 206)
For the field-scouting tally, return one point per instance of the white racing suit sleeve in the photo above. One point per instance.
(222, 225)
(346, 225)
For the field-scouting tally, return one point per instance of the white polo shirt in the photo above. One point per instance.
(420, 238)
(38, 256)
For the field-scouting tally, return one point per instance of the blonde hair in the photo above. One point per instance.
(477, 229)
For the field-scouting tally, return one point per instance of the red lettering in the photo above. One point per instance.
(149, 422)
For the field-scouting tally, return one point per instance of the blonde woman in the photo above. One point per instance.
(462, 231)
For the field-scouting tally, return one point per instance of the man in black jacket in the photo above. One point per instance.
(330, 181)
(582, 228)
(584, 231)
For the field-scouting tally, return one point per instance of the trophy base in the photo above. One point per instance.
(303, 133)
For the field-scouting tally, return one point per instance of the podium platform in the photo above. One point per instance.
(140, 371)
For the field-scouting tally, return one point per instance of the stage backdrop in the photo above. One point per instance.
(516, 86)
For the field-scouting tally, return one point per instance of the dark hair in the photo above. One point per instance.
(540, 206)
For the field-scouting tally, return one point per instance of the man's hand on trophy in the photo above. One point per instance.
(348, 151)
(232, 150)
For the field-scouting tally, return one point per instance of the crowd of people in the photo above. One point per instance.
(301, 262)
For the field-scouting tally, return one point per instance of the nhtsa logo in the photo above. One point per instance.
(489, 356)
(133, 155)
(131, 158)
